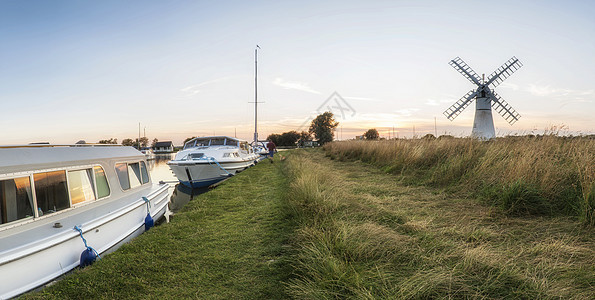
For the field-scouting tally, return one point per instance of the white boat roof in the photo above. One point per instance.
(30, 157)
(216, 137)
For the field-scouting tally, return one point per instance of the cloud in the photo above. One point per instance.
(406, 112)
(548, 91)
(511, 86)
(363, 99)
(294, 85)
(441, 102)
(195, 88)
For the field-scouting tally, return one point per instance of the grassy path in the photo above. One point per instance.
(314, 228)
(228, 243)
(365, 235)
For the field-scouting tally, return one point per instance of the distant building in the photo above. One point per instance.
(164, 147)
(309, 144)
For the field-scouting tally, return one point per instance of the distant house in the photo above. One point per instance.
(309, 144)
(164, 147)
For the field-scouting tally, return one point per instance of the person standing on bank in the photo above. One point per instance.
(271, 146)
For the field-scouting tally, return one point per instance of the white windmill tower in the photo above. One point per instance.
(483, 124)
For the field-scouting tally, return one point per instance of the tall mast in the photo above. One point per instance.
(256, 94)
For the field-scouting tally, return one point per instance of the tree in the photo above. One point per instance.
(323, 126)
(155, 140)
(371, 134)
(275, 138)
(127, 142)
(144, 141)
(110, 141)
(304, 137)
(429, 137)
(289, 138)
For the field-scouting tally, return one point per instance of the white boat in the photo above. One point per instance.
(51, 197)
(148, 152)
(207, 160)
(261, 148)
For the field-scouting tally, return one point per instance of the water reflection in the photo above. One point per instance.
(180, 193)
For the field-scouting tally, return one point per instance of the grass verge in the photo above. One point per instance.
(546, 175)
(363, 234)
(229, 243)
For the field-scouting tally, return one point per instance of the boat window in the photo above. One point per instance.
(80, 186)
(101, 182)
(16, 201)
(143, 172)
(51, 192)
(122, 171)
(195, 155)
(231, 142)
(189, 144)
(134, 175)
(217, 142)
(202, 143)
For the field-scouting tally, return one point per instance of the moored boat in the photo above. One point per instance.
(148, 152)
(208, 160)
(51, 197)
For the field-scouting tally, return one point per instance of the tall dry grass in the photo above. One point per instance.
(360, 236)
(522, 175)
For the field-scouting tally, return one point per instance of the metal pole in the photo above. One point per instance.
(256, 94)
(138, 136)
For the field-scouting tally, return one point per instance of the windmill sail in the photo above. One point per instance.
(504, 109)
(485, 98)
(503, 72)
(464, 69)
(452, 112)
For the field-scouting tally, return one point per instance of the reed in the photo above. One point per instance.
(522, 175)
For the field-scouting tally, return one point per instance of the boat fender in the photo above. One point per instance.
(149, 222)
(89, 255)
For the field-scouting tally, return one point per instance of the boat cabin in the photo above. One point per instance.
(36, 181)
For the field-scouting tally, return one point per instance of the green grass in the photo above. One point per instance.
(547, 175)
(366, 234)
(310, 227)
(229, 243)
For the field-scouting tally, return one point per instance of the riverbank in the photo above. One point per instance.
(229, 243)
(310, 227)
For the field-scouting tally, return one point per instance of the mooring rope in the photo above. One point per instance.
(209, 159)
(85, 241)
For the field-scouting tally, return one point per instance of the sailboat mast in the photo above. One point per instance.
(256, 94)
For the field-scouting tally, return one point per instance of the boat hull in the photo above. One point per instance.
(37, 262)
(202, 173)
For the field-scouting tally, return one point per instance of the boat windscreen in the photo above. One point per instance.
(217, 142)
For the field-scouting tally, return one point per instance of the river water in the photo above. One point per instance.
(160, 171)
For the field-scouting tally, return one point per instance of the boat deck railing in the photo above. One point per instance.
(58, 145)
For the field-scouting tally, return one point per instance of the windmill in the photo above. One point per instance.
(486, 98)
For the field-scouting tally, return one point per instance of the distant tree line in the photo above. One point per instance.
(144, 142)
(290, 138)
(322, 128)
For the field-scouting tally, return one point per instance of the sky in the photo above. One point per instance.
(92, 70)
